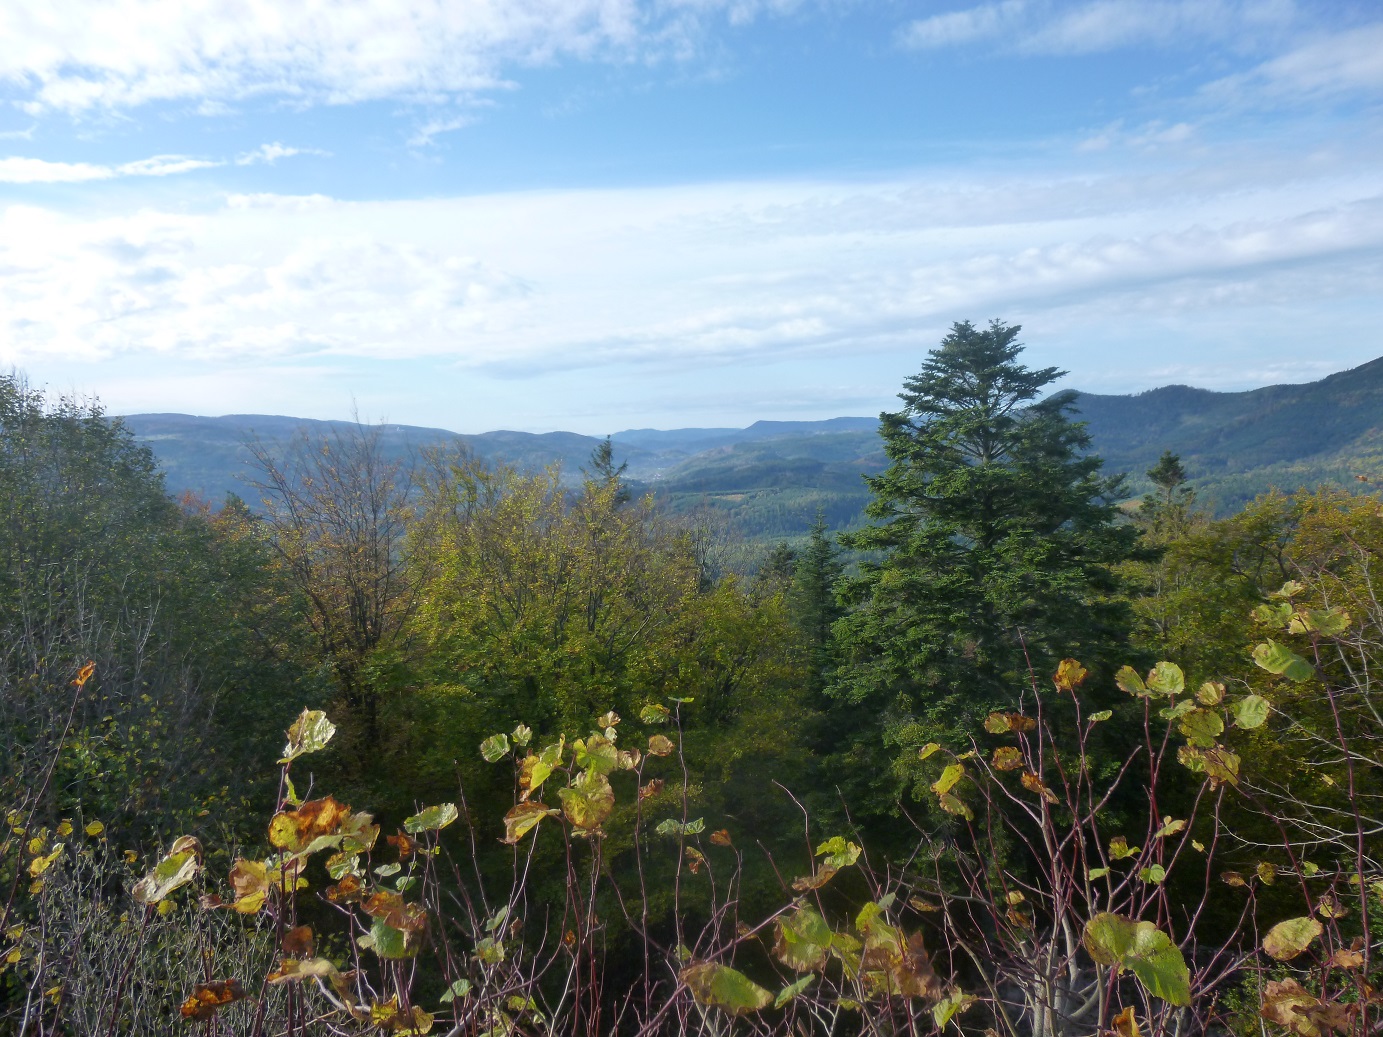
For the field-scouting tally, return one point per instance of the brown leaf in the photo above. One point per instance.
(913, 975)
(298, 942)
(206, 998)
(1033, 783)
(523, 818)
(651, 789)
(295, 830)
(721, 838)
(1287, 1003)
(660, 745)
(347, 891)
(391, 909)
(823, 876)
(1002, 723)
(1347, 959)
(405, 844)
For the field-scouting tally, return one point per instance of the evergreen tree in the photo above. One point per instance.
(604, 472)
(814, 605)
(775, 572)
(993, 549)
(1166, 512)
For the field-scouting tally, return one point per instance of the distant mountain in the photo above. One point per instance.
(769, 480)
(1236, 445)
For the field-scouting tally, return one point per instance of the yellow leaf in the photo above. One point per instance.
(1069, 675)
(952, 774)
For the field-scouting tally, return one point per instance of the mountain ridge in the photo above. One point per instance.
(769, 478)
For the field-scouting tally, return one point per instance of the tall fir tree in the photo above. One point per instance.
(1168, 511)
(813, 601)
(603, 471)
(991, 557)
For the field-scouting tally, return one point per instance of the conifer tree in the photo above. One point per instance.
(1166, 513)
(995, 536)
(603, 471)
(814, 605)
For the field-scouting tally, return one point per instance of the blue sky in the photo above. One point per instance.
(602, 214)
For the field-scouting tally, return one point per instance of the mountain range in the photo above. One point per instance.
(769, 480)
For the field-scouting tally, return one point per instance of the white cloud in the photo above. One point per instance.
(19, 170)
(1150, 137)
(16, 170)
(73, 55)
(1091, 26)
(1342, 63)
(985, 22)
(268, 154)
(701, 275)
(425, 134)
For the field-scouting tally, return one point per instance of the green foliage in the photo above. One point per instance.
(1143, 949)
(996, 539)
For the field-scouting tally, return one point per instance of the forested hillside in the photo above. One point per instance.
(428, 744)
(768, 481)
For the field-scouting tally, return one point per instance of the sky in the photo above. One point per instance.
(594, 215)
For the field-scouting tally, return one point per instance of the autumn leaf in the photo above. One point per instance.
(298, 942)
(206, 998)
(1033, 783)
(1007, 758)
(588, 801)
(250, 880)
(522, 819)
(177, 868)
(1069, 675)
(724, 988)
(1288, 939)
(949, 776)
(313, 826)
(308, 734)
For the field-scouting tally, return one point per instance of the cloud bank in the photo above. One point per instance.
(705, 275)
(75, 56)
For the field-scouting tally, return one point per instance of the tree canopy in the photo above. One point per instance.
(993, 547)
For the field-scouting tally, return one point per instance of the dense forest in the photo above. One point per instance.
(424, 743)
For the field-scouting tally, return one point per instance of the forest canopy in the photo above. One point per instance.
(432, 745)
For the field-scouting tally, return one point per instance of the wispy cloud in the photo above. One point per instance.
(268, 154)
(430, 130)
(19, 170)
(986, 22)
(1092, 26)
(1329, 66)
(74, 56)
